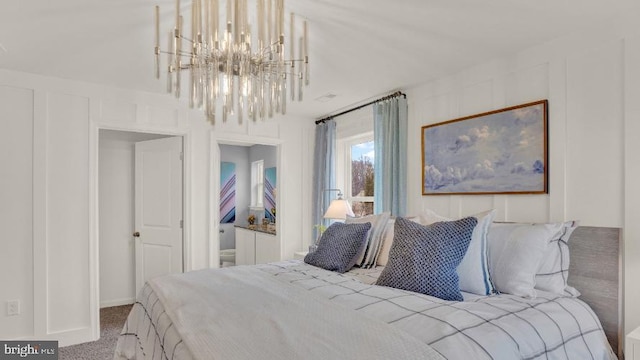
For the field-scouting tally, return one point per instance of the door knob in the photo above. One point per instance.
(136, 234)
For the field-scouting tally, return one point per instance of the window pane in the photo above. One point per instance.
(362, 156)
(362, 208)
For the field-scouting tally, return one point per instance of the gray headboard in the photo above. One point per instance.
(596, 271)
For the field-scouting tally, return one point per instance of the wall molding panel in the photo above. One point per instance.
(592, 82)
(60, 280)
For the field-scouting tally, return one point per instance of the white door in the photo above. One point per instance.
(158, 208)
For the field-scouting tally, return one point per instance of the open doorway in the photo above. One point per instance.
(127, 162)
(235, 240)
(248, 187)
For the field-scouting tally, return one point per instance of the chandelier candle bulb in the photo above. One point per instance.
(305, 35)
(292, 37)
(157, 47)
(229, 14)
(277, 30)
(193, 23)
(269, 22)
(196, 20)
(207, 20)
(214, 24)
(199, 20)
(178, 63)
(260, 11)
(291, 55)
(281, 32)
(177, 13)
(300, 68)
(157, 27)
(245, 18)
(172, 38)
(236, 22)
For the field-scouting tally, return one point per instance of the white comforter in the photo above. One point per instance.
(182, 322)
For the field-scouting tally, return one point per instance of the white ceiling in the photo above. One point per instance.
(359, 49)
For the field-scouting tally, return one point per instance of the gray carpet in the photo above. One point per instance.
(111, 322)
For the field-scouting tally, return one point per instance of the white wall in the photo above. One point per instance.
(266, 153)
(117, 257)
(16, 209)
(49, 200)
(631, 181)
(592, 81)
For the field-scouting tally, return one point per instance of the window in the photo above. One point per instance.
(358, 155)
(257, 184)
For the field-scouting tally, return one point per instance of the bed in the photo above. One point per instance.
(294, 310)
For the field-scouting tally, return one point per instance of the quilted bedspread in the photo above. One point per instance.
(481, 327)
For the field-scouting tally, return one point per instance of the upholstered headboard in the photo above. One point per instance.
(596, 271)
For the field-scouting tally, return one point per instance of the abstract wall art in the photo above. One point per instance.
(227, 192)
(270, 194)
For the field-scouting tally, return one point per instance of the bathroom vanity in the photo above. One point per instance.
(256, 245)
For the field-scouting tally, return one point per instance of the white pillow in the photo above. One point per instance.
(553, 271)
(383, 255)
(367, 258)
(428, 217)
(387, 241)
(473, 271)
(515, 253)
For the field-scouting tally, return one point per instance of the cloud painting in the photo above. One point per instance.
(502, 151)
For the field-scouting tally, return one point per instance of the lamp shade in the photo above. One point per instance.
(339, 209)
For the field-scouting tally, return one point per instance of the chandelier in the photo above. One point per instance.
(240, 63)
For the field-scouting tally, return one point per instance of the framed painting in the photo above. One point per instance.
(497, 152)
(227, 192)
(270, 177)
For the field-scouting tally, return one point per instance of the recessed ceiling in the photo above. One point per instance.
(358, 48)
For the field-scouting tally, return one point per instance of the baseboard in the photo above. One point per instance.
(117, 302)
(65, 338)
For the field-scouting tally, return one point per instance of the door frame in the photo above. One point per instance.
(214, 176)
(94, 206)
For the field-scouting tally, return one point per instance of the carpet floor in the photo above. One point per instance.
(111, 322)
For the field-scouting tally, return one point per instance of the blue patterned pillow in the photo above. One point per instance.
(424, 259)
(339, 247)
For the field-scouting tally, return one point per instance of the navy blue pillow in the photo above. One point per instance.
(339, 247)
(424, 259)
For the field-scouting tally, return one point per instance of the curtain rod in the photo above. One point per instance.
(391, 96)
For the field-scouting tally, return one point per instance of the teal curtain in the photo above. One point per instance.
(390, 164)
(324, 174)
